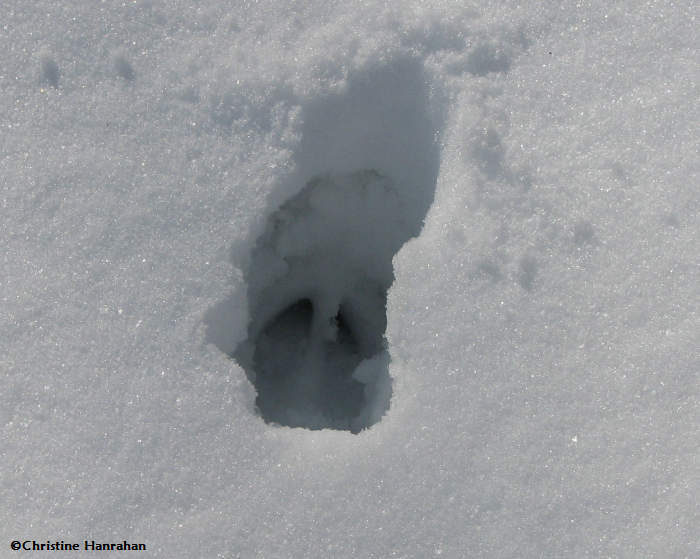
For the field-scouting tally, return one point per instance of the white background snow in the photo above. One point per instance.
(544, 327)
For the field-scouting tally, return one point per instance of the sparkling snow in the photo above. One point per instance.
(505, 193)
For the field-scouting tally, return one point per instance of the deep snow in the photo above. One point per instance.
(542, 325)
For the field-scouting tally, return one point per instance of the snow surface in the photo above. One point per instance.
(542, 327)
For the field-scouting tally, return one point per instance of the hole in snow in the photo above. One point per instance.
(317, 294)
(303, 381)
(318, 276)
(49, 70)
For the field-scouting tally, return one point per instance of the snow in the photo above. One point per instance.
(518, 181)
(317, 290)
